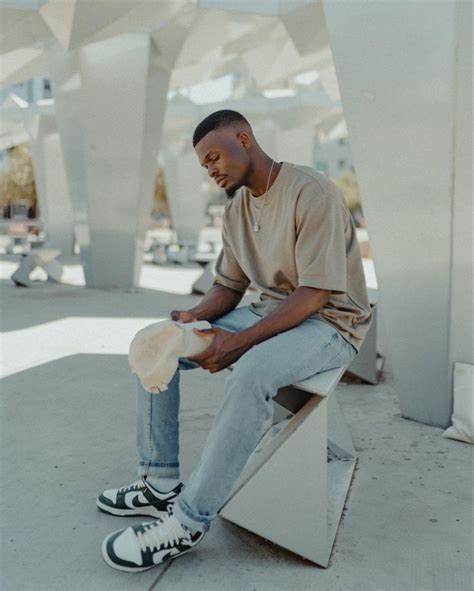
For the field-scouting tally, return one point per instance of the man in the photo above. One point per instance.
(289, 232)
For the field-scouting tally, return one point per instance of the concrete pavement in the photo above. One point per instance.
(68, 432)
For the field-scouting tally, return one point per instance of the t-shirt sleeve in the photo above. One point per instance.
(321, 244)
(227, 270)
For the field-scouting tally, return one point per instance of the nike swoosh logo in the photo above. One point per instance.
(137, 503)
(163, 555)
(131, 500)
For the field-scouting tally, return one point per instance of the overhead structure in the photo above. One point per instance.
(111, 66)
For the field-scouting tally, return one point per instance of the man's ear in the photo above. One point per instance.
(244, 139)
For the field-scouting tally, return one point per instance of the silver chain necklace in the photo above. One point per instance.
(256, 226)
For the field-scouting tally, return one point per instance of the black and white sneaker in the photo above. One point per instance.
(138, 498)
(141, 547)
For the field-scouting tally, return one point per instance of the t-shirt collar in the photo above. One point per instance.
(276, 182)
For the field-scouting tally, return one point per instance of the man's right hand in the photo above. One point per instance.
(183, 316)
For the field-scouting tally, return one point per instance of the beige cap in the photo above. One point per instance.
(155, 351)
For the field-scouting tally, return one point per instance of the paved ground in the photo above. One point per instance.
(68, 432)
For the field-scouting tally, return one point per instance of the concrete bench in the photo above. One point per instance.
(294, 486)
(44, 258)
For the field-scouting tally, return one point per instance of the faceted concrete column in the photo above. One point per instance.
(265, 132)
(291, 144)
(409, 123)
(66, 86)
(462, 272)
(296, 145)
(186, 189)
(51, 184)
(123, 95)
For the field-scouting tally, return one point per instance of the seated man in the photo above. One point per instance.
(289, 232)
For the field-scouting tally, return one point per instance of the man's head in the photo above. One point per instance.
(224, 144)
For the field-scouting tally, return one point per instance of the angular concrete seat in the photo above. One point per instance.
(294, 486)
(44, 258)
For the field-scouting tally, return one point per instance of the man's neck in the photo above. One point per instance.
(259, 177)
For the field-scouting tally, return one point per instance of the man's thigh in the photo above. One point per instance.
(237, 320)
(296, 354)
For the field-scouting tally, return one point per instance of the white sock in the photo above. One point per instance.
(163, 485)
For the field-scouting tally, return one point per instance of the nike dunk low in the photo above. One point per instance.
(138, 498)
(140, 547)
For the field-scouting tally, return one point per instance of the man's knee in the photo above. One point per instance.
(250, 378)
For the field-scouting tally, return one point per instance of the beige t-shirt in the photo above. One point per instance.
(307, 238)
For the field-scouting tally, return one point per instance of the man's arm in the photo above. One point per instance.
(219, 300)
(227, 347)
(296, 308)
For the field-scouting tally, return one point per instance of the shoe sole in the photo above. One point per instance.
(146, 511)
(139, 569)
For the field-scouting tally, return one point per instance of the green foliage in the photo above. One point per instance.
(160, 199)
(347, 182)
(17, 183)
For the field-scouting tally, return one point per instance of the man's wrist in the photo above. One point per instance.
(198, 314)
(246, 338)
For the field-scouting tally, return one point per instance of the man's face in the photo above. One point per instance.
(224, 155)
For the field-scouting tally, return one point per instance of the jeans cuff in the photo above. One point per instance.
(159, 469)
(186, 517)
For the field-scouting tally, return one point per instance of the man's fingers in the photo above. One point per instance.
(196, 358)
(204, 331)
(200, 357)
(182, 316)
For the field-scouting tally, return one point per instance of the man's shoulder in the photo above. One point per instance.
(314, 190)
(306, 177)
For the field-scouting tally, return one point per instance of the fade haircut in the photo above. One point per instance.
(216, 121)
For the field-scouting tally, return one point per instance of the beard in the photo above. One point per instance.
(231, 191)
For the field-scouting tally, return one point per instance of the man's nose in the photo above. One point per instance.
(212, 172)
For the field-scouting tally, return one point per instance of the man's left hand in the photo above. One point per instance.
(224, 350)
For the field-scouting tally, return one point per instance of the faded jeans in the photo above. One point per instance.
(289, 357)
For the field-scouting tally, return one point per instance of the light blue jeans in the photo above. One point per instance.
(284, 359)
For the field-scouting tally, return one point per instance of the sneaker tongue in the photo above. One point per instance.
(189, 531)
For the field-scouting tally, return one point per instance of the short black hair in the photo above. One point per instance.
(217, 120)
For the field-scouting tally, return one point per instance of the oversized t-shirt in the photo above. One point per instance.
(307, 238)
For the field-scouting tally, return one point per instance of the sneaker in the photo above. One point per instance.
(141, 547)
(138, 498)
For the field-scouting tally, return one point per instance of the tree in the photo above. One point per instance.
(347, 182)
(160, 200)
(17, 182)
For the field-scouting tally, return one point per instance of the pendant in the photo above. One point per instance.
(256, 228)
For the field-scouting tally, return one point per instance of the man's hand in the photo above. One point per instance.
(224, 350)
(183, 316)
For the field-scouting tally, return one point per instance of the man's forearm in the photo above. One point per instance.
(219, 300)
(298, 306)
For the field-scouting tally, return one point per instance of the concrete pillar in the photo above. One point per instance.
(265, 132)
(186, 186)
(296, 145)
(462, 273)
(66, 87)
(408, 120)
(51, 183)
(111, 98)
(123, 93)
